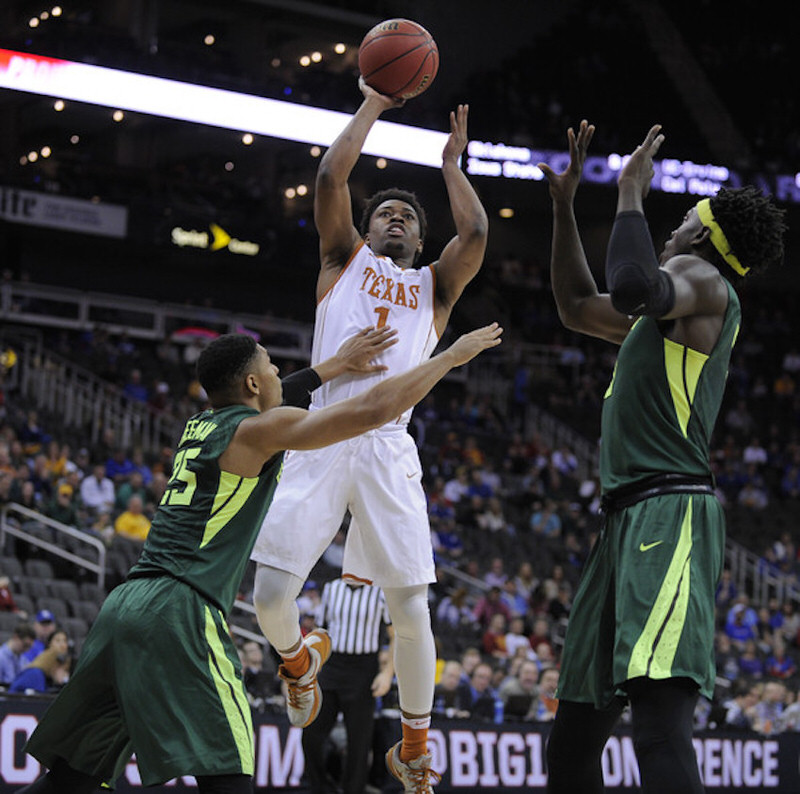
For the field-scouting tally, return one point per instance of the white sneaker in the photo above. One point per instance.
(304, 697)
(416, 776)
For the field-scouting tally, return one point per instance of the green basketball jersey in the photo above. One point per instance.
(208, 519)
(662, 403)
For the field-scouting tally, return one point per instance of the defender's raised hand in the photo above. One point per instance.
(357, 353)
(564, 185)
(637, 173)
(466, 347)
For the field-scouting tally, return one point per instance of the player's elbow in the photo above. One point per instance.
(477, 230)
(328, 176)
(636, 292)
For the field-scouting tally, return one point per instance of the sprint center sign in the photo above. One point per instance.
(212, 238)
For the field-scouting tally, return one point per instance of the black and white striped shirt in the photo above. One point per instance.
(353, 616)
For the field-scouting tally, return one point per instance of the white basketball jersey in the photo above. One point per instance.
(373, 290)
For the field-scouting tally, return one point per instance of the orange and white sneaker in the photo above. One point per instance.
(416, 775)
(303, 696)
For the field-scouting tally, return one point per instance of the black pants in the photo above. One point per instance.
(663, 718)
(346, 682)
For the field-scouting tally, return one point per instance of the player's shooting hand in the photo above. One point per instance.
(457, 139)
(564, 185)
(387, 102)
(637, 173)
(466, 347)
(357, 353)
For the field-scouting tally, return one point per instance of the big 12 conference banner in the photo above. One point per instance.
(470, 756)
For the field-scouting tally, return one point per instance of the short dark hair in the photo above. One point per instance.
(752, 224)
(24, 631)
(374, 201)
(224, 362)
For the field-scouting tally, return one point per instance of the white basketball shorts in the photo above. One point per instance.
(378, 477)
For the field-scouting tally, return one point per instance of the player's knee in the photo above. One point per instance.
(408, 607)
(274, 590)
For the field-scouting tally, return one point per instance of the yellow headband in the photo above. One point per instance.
(718, 238)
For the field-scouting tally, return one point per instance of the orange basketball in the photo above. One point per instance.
(398, 58)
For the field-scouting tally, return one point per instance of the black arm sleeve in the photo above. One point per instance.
(636, 283)
(298, 386)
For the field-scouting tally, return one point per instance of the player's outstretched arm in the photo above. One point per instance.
(293, 428)
(333, 214)
(355, 356)
(580, 306)
(462, 257)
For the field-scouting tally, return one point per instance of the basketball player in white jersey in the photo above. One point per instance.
(369, 277)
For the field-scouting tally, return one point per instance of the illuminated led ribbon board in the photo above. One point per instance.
(274, 118)
(214, 107)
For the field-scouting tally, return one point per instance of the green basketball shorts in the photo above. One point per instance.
(645, 603)
(158, 675)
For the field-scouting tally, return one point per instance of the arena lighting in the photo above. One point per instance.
(215, 107)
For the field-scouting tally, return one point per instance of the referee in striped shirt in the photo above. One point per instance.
(350, 680)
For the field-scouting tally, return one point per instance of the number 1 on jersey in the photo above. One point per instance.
(383, 315)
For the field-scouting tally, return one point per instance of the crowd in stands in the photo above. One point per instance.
(512, 522)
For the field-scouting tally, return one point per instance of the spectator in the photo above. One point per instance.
(453, 611)
(448, 696)
(496, 575)
(477, 694)
(49, 669)
(489, 605)
(727, 660)
(43, 627)
(41, 478)
(7, 603)
(492, 518)
(259, 681)
(519, 692)
(726, 590)
(768, 711)
(517, 639)
(97, 491)
(545, 521)
(494, 638)
(754, 453)
(119, 467)
(740, 624)
(544, 709)
(753, 495)
(133, 486)
(525, 581)
(333, 556)
(470, 659)
(751, 664)
(63, 507)
(134, 389)
(778, 664)
(740, 709)
(11, 652)
(133, 523)
(308, 602)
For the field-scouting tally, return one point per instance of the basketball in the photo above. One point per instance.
(398, 58)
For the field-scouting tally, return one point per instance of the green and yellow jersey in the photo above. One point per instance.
(660, 408)
(208, 519)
